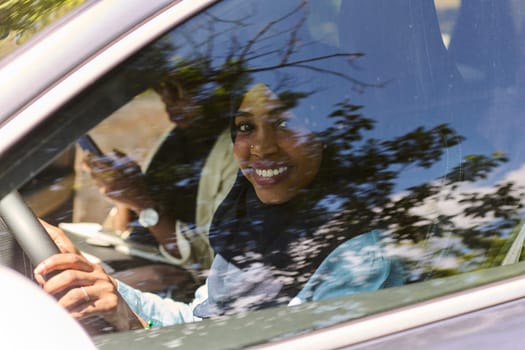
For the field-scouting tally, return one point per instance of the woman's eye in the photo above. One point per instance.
(283, 124)
(244, 127)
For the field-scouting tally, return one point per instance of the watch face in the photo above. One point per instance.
(148, 217)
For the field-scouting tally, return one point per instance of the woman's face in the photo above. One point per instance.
(277, 154)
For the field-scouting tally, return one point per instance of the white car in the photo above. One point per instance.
(417, 98)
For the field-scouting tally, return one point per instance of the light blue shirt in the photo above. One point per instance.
(358, 265)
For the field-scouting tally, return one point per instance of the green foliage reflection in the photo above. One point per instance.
(20, 19)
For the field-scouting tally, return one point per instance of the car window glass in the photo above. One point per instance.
(378, 144)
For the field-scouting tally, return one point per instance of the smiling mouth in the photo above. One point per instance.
(269, 173)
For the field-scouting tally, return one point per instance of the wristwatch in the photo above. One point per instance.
(148, 217)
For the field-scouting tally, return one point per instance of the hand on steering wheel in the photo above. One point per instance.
(85, 289)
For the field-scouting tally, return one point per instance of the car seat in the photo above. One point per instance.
(484, 43)
(403, 52)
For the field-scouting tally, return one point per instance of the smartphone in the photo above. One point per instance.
(87, 144)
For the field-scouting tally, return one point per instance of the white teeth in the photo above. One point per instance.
(271, 172)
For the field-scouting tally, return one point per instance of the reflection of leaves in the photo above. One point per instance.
(291, 99)
(347, 127)
(502, 202)
(369, 169)
(422, 147)
(475, 167)
(25, 17)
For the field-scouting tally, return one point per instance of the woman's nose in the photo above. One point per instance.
(264, 143)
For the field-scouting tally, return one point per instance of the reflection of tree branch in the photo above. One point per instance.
(358, 84)
(209, 47)
(189, 39)
(266, 28)
(237, 22)
(241, 60)
(293, 40)
(301, 64)
(261, 55)
(351, 57)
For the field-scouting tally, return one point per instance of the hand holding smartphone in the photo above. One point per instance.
(87, 144)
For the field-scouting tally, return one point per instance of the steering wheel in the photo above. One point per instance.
(36, 243)
(27, 230)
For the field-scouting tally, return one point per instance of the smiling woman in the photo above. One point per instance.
(277, 158)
